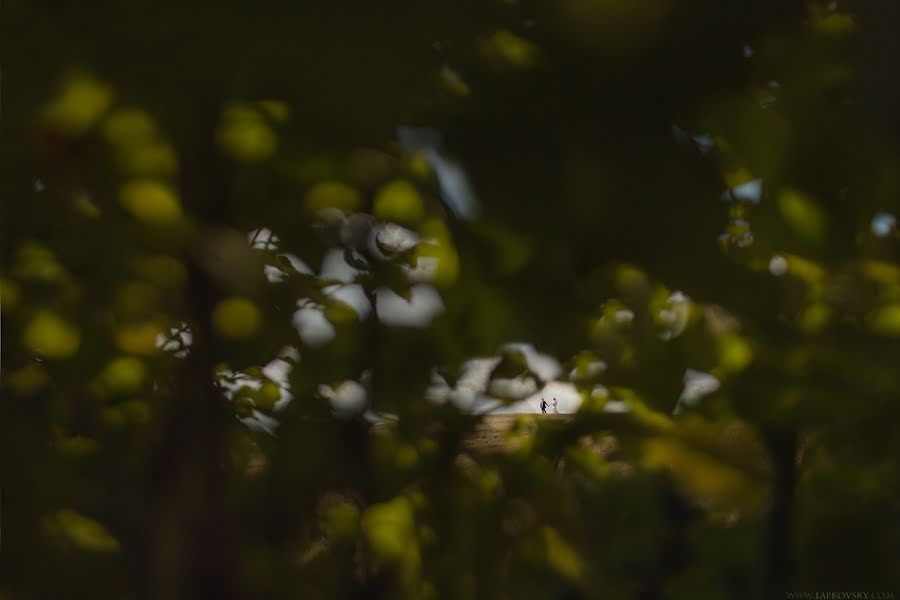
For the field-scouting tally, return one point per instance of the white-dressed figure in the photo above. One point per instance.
(555, 409)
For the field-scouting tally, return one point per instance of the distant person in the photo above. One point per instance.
(544, 406)
(555, 410)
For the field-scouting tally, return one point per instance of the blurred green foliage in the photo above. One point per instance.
(212, 212)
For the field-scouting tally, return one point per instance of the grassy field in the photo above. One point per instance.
(493, 433)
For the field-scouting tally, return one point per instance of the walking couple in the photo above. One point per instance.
(544, 406)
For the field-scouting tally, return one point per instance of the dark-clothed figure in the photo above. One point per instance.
(544, 406)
